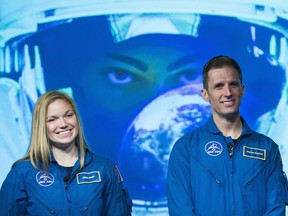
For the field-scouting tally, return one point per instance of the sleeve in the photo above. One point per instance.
(286, 186)
(13, 196)
(117, 198)
(277, 187)
(179, 191)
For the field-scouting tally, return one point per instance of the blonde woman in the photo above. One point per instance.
(60, 175)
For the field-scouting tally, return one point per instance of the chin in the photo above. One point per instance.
(63, 142)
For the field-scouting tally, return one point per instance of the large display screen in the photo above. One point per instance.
(134, 69)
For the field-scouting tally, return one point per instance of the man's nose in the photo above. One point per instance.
(227, 91)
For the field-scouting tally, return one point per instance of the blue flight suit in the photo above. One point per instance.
(209, 175)
(96, 189)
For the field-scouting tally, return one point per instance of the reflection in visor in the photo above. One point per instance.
(146, 147)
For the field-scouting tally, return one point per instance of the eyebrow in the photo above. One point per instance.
(186, 60)
(53, 116)
(218, 84)
(129, 60)
(234, 82)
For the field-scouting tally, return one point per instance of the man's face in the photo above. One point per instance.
(224, 92)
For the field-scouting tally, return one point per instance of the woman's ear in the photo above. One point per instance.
(205, 95)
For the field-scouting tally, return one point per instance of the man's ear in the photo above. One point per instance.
(243, 91)
(205, 95)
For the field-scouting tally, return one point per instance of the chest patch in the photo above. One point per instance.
(88, 177)
(213, 148)
(44, 179)
(255, 153)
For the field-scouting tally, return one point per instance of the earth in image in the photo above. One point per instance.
(145, 150)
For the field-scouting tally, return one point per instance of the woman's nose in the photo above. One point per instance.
(62, 122)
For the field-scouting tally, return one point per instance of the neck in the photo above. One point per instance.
(66, 157)
(229, 127)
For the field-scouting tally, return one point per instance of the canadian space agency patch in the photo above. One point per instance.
(213, 148)
(44, 179)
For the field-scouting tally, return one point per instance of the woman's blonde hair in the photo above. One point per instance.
(39, 152)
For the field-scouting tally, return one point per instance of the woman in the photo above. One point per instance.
(60, 175)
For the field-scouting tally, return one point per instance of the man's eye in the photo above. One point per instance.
(236, 84)
(119, 77)
(218, 86)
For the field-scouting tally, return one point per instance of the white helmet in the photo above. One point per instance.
(19, 20)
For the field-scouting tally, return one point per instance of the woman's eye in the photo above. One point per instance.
(50, 120)
(69, 114)
(119, 76)
(188, 77)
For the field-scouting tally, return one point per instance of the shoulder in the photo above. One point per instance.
(103, 165)
(22, 166)
(191, 138)
(263, 139)
(20, 171)
(188, 141)
(100, 160)
(258, 139)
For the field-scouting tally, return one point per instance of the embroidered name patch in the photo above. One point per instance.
(88, 177)
(255, 153)
(213, 148)
(44, 179)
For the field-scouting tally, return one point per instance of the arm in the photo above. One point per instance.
(117, 199)
(13, 197)
(277, 191)
(179, 191)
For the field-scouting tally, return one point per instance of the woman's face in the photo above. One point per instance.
(133, 76)
(123, 81)
(61, 123)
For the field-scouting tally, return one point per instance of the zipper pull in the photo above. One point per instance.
(230, 149)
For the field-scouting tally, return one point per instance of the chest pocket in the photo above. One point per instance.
(41, 201)
(257, 173)
(202, 169)
(94, 206)
(253, 184)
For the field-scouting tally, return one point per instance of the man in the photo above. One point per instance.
(224, 168)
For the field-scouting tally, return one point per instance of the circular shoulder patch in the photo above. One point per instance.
(213, 148)
(44, 179)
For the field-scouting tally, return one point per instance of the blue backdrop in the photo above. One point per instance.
(134, 70)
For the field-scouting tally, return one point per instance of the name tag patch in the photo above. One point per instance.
(88, 177)
(255, 153)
